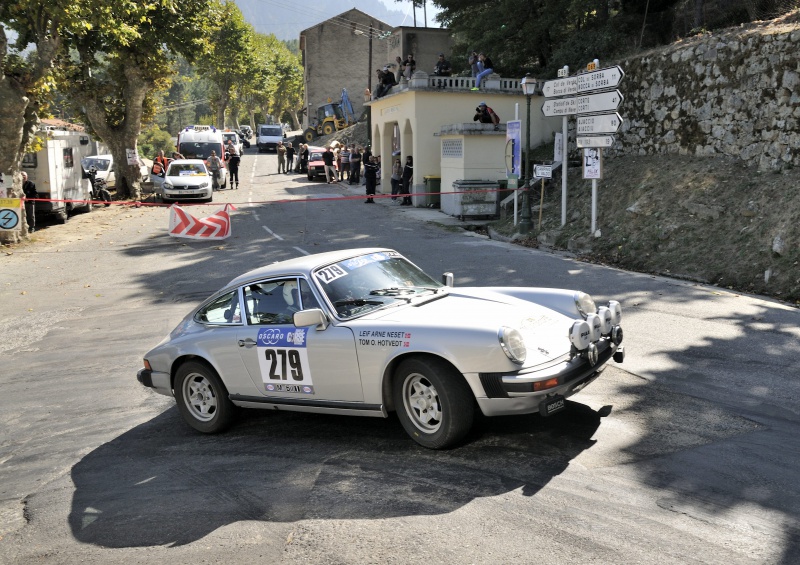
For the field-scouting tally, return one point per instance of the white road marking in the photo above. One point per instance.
(275, 235)
(303, 251)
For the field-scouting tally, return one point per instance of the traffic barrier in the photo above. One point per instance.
(215, 226)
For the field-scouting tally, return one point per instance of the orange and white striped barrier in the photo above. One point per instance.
(215, 226)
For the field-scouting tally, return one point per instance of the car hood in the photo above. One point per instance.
(545, 331)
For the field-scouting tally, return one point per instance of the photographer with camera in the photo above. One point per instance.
(486, 115)
(442, 67)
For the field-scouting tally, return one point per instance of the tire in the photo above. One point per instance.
(433, 402)
(202, 398)
(328, 128)
(61, 216)
(310, 135)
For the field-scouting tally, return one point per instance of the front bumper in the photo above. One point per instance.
(513, 393)
(186, 194)
(158, 381)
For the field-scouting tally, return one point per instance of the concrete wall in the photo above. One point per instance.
(336, 57)
(424, 43)
(734, 93)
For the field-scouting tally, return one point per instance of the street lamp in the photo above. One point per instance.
(525, 224)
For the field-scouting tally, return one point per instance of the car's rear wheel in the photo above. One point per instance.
(202, 398)
(433, 401)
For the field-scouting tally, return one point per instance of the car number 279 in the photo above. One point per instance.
(283, 363)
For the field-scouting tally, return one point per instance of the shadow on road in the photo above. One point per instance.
(163, 484)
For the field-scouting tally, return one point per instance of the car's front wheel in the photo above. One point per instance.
(433, 401)
(202, 398)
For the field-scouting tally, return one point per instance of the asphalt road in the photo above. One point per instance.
(686, 453)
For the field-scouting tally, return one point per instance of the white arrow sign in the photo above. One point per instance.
(600, 102)
(560, 87)
(601, 123)
(595, 141)
(599, 80)
(559, 107)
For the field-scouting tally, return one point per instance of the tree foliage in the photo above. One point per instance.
(121, 59)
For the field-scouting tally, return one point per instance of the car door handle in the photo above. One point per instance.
(246, 342)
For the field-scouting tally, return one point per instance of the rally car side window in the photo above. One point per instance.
(222, 310)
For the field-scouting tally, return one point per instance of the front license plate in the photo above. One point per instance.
(551, 405)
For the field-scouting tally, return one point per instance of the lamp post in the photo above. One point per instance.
(525, 224)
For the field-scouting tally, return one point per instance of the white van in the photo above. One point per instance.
(197, 142)
(268, 136)
(56, 171)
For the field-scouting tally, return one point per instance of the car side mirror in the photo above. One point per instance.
(311, 317)
(447, 279)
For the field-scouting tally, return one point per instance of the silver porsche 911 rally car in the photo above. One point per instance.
(366, 332)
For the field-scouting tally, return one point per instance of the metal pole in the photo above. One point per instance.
(369, 87)
(525, 224)
(594, 206)
(564, 162)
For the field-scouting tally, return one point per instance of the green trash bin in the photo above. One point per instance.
(433, 185)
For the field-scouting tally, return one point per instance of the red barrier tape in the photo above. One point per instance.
(138, 204)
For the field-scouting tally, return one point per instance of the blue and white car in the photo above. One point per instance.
(365, 332)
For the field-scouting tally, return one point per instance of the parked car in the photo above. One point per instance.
(316, 166)
(234, 137)
(106, 169)
(366, 332)
(186, 179)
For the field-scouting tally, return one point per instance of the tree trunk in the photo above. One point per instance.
(698, 13)
(295, 120)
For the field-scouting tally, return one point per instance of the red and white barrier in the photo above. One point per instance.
(215, 226)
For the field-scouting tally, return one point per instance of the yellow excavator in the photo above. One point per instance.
(331, 116)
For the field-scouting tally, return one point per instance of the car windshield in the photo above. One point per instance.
(271, 130)
(99, 164)
(361, 284)
(186, 169)
(198, 149)
(230, 137)
(316, 156)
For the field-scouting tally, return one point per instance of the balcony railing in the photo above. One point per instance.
(421, 80)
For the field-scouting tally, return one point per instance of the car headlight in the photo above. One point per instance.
(512, 344)
(616, 312)
(168, 185)
(585, 304)
(202, 185)
(595, 325)
(605, 320)
(580, 334)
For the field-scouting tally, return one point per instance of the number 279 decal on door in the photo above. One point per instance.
(283, 359)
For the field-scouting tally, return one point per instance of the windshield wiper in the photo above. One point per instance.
(393, 291)
(357, 302)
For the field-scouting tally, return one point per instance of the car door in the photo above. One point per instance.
(289, 362)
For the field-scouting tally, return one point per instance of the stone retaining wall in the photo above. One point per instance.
(734, 93)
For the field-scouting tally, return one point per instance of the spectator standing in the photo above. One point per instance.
(304, 159)
(355, 165)
(214, 165)
(474, 64)
(488, 68)
(29, 189)
(289, 157)
(408, 175)
(397, 175)
(330, 170)
(337, 156)
(160, 164)
(344, 155)
(365, 155)
(380, 169)
(371, 177)
(409, 66)
(233, 167)
(281, 157)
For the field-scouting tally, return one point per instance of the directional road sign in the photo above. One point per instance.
(599, 124)
(560, 87)
(600, 102)
(595, 141)
(559, 107)
(599, 80)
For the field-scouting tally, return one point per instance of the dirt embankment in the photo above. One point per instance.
(706, 219)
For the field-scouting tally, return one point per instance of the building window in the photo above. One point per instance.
(452, 149)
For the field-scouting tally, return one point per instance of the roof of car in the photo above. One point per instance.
(187, 162)
(302, 265)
